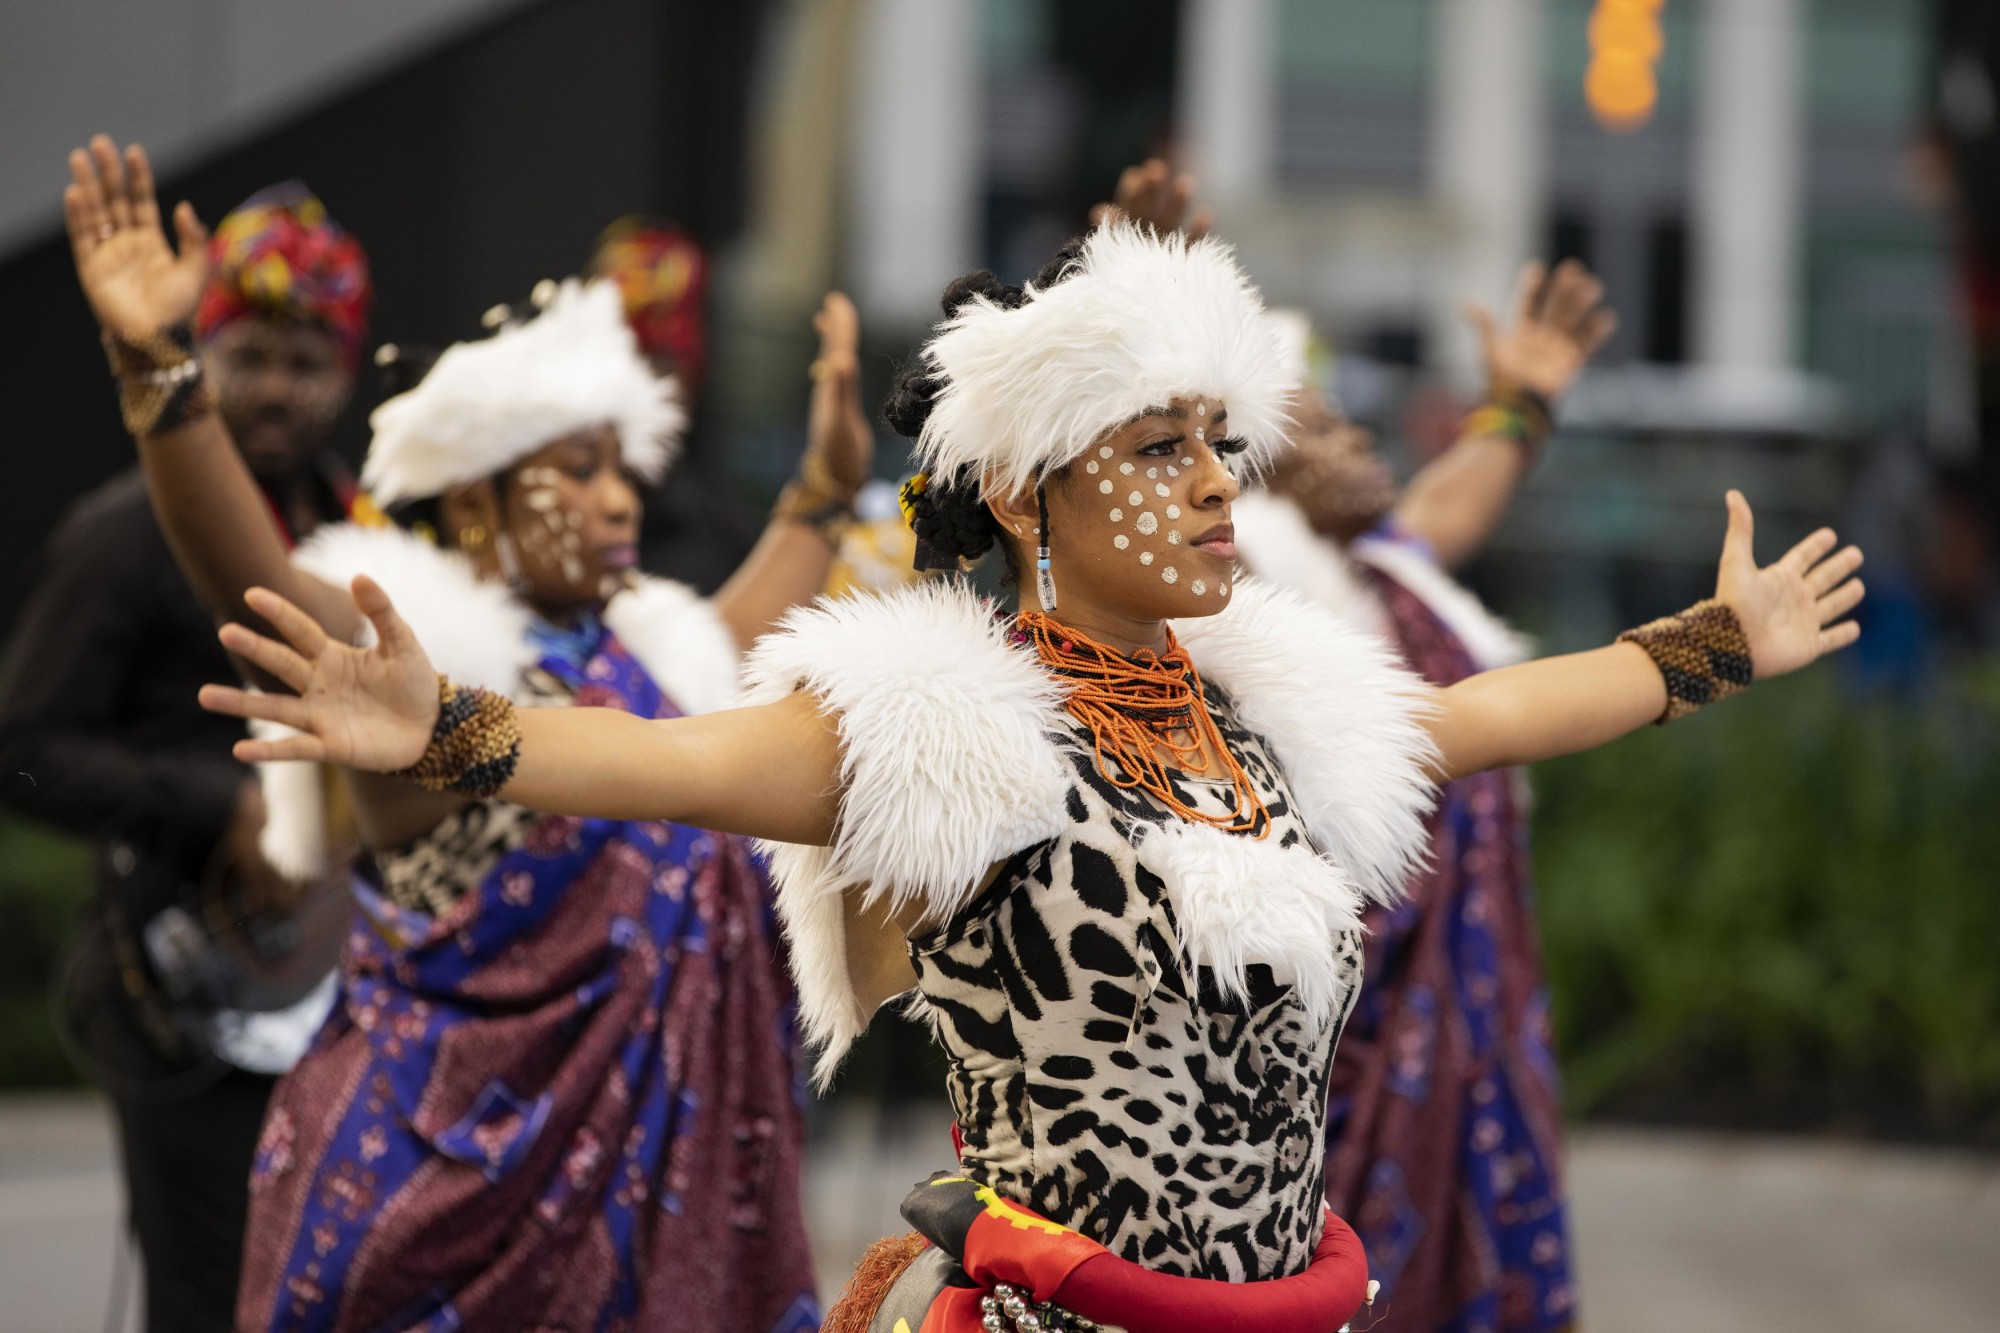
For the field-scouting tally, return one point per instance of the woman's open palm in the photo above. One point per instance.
(135, 283)
(1790, 610)
(1559, 322)
(370, 708)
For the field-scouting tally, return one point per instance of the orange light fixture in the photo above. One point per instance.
(1625, 41)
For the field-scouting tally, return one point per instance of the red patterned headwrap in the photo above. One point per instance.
(280, 255)
(663, 276)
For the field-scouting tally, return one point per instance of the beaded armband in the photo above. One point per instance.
(816, 500)
(1513, 412)
(1702, 652)
(160, 384)
(474, 747)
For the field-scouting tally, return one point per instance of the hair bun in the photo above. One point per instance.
(910, 401)
(962, 291)
(951, 523)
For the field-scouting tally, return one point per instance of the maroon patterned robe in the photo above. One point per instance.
(1444, 1140)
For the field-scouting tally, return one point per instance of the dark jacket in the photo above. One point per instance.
(101, 735)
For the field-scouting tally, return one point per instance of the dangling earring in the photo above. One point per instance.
(472, 540)
(1045, 582)
(510, 564)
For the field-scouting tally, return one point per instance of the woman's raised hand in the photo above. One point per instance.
(135, 283)
(369, 708)
(1559, 323)
(1151, 194)
(1791, 610)
(840, 445)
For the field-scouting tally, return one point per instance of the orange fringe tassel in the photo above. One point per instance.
(885, 1261)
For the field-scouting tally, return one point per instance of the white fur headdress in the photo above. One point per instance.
(486, 405)
(1139, 319)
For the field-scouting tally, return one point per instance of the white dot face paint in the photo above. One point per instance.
(1145, 557)
(1187, 462)
(1173, 537)
(1173, 511)
(1104, 487)
(1135, 498)
(1121, 541)
(1125, 468)
(1199, 588)
(1117, 516)
(1152, 472)
(1223, 591)
(1105, 452)
(1170, 575)
(1200, 433)
(1160, 489)
(1173, 472)
(1201, 409)
(1147, 523)
(1091, 467)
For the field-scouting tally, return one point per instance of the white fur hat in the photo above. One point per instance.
(1140, 319)
(486, 405)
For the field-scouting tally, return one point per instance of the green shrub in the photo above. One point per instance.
(44, 884)
(1783, 913)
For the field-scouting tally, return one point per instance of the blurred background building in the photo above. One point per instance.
(1783, 920)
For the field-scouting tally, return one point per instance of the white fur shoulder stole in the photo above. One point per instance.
(947, 760)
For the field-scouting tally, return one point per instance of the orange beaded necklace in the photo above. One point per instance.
(1138, 706)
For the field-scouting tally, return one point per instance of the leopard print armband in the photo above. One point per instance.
(1703, 654)
(474, 747)
(160, 382)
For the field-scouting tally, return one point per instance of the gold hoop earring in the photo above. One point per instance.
(472, 540)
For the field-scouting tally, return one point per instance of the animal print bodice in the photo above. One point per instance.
(1100, 1079)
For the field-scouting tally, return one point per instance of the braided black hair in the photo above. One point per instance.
(950, 519)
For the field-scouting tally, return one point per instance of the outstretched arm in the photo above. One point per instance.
(770, 772)
(1791, 613)
(1456, 501)
(789, 564)
(215, 517)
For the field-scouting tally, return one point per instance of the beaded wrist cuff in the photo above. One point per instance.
(160, 384)
(816, 500)
(1512, 412)
(474, 747)
(1703, 654)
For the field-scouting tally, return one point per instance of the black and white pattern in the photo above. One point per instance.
(1105, 1081)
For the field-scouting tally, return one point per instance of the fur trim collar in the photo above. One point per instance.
(953, 758)
(681, 640)
(1280, 545)
(472, 629)
(1491, 641)
(1239, 901)
(1277, 544)
(476, 631)
(1140, 319)
(487, 404)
